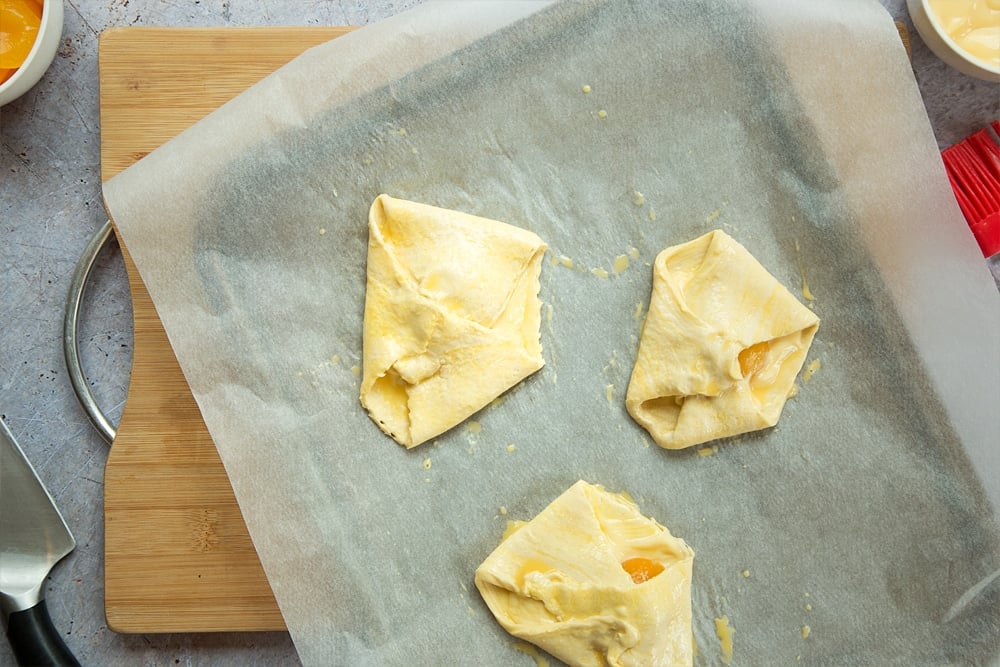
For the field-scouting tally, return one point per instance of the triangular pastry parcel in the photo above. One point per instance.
(593, 582)
(721, 346)
(451, 316)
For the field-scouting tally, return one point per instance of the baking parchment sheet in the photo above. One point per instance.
(866, 514)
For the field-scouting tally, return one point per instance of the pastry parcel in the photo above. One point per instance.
(721, 346)
(451, 316)
(594, 582)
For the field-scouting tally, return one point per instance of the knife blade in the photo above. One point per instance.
(33, 538)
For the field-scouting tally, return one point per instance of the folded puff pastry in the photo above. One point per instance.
(721, 346)
(451, 317)
(594, 582)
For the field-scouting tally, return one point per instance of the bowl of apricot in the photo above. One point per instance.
(30, 31)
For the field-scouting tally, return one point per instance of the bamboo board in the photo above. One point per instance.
(178, 557)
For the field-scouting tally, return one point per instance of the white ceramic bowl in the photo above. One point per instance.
(944, 47)
(41, 54)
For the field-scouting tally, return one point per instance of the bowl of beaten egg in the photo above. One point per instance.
(30, 31)
(963, 33)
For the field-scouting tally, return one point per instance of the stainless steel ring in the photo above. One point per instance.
(71, 349)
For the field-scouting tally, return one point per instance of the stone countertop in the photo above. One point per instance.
(50, 207)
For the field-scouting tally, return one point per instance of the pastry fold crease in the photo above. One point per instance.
(451, 318)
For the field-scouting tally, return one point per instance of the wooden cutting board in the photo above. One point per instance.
(178, 557)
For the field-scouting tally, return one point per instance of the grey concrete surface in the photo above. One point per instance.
(50, 206)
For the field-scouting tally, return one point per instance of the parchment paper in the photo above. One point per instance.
(796, 127)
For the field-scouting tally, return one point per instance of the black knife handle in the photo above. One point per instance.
(36, 641)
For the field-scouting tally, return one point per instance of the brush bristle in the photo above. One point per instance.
(973, 167)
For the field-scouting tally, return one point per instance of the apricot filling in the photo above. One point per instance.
(641, 569)
(752, 358)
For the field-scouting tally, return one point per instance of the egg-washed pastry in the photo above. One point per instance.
(452, 316)
(721, 346)
(593, 582)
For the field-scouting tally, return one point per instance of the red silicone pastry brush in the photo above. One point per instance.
(973, 167)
